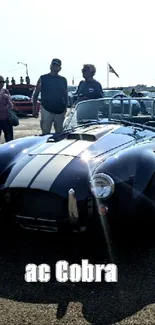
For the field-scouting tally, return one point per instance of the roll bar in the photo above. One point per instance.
(130, 101)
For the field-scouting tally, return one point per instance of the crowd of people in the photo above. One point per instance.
(54, 95)
(54, 98)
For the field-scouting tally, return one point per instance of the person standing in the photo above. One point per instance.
(89, 88)
(133, 93)
(5, 105)
(54, 98)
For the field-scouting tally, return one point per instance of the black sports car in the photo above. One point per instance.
(97, 169)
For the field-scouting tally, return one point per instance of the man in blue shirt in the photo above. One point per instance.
(89, 88)
(54, 98)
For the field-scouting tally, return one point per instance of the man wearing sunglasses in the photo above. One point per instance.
(89, 88)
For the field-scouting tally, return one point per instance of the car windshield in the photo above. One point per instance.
(101, 110)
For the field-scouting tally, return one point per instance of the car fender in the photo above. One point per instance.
(136, 165)
(11, 151)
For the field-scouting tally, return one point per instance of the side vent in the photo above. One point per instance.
(83, 137)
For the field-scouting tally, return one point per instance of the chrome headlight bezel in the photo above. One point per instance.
(102, 186)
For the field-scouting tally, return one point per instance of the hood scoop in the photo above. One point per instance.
(81, 136)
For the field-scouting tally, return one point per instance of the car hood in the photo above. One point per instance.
(93, 139)
(69, 163)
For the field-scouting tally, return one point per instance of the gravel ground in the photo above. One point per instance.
(130, 301)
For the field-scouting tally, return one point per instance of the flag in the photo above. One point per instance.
(112, 70)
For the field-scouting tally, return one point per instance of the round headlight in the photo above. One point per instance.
(102, 186)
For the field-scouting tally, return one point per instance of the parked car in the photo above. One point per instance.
(118, 106)
(99, 171)
(146, 105)
(112, 92)
(146, 93)
(23, 105)
(152, 94)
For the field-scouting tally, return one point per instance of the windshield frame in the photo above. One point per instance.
(73, 122)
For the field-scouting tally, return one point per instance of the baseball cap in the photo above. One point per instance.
(57, 62)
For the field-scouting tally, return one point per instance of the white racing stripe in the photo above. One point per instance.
(76, 148)
(29, 171)
(39, 149)
(106, 129)
(52, 148)
(48, 175)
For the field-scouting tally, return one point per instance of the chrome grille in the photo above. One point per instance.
(38, 204)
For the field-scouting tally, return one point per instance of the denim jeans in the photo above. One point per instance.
(7, 128)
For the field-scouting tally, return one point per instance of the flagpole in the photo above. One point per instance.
(107, 75)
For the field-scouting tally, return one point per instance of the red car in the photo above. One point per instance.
(23, 104)
(21, 95)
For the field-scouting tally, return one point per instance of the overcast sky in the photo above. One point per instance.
(84, 31)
